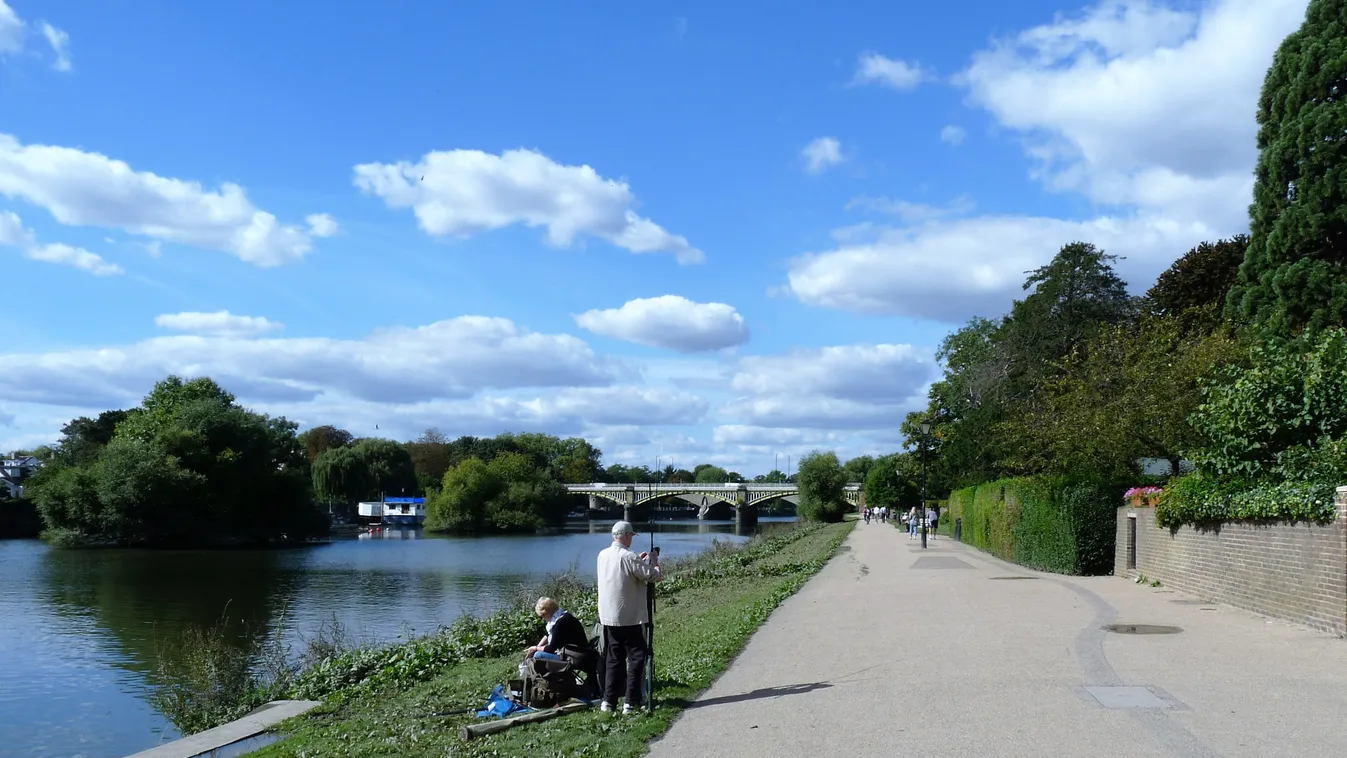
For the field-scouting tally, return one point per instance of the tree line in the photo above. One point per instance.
(190, 466)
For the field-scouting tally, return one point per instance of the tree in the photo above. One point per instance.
(1294, 276)
(84, 438)
(708, 474)
(681, 476)
(510, 493)
(460, 505)
(1199, 282)
(1126, 395)
(889, 483)
(772, 477)
(323, 438)
(187, 467)
(858, 468)
(367, 470)
(822, 483)
(432, 455)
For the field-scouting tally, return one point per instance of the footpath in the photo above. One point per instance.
(895, 651)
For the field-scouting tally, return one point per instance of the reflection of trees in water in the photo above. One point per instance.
(140, 597)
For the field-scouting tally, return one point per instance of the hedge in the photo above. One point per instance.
(1051, 524)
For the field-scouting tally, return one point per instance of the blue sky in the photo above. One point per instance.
(477, 218)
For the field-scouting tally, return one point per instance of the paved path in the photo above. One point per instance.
(890, 651)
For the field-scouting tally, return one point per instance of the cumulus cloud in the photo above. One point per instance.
(952, 134)
(822, 154)
(11, 30)
(873, 68)
(60, 46)
(13, 234)
(465, 192)
(89, 189)
(453, 359)
(219, 324)
(772, 438)
(1144, 109)
(842, 387)
(670, 322)
(908, 212)
(322, 225)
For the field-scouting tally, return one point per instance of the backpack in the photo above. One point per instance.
(548, 683)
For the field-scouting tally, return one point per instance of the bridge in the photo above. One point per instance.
(743, 497)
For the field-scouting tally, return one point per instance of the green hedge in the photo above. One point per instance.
(1050, 524)
(1203, 500)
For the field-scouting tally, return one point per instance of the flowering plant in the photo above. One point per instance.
(1146, 492)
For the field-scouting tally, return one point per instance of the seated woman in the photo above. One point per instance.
(563, 630)
(566, 640)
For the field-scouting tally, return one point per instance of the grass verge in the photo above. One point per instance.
(706, 612)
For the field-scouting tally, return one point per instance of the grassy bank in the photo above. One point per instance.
(707, 610)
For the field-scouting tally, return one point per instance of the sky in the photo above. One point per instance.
(680, 230)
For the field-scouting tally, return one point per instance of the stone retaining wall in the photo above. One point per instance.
(1295, 572)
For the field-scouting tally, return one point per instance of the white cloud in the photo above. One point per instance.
(671, 322)
(1127, 89)
(822, 154)
(77, 257)
(11, 30)
(322, 225)
(452, 359)
(772, 438)
(6, 419)
(873, 68)
(842, 387)
(218, 324)
(908, 212)
(870, 373)
(89, 189)
(13, 234)
(952, 134)
(1143, 109)
(60, 46)
(465, 192)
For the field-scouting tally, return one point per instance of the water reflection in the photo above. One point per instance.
(81, 628)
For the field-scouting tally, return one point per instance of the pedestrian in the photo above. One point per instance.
(912, 523)
(930, 521)
(623, 577)
(867, 515)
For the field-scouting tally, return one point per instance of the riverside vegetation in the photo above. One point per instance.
(380, 700)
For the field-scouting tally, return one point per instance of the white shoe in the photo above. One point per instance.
(627, 710)
(606, 707)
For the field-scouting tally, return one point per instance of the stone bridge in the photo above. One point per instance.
(743, 497)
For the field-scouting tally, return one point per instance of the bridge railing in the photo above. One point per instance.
(727, 487)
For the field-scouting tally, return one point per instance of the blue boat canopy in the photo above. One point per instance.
(412, 500)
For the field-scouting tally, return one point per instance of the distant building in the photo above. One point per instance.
(13, 471)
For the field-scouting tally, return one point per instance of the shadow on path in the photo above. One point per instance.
(765, 692)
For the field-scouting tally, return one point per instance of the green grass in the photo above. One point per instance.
(706, 613)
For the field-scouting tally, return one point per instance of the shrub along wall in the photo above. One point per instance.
(1044, 523)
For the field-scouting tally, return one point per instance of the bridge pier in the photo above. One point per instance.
(746, 516)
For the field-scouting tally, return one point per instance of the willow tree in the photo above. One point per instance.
(1294, 276)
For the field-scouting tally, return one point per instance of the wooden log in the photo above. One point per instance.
(473, 731)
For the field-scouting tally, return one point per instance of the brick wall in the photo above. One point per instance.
(1293, 572)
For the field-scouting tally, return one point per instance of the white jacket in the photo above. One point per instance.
(623, 577)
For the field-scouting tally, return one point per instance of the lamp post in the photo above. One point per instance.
(925, 431)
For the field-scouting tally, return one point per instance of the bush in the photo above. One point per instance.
(1204, 500)
(822, 484)
(1059, 525)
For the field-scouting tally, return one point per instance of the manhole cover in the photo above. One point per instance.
(1014, 577)
(1142, 629)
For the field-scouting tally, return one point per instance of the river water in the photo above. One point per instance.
(79, 629)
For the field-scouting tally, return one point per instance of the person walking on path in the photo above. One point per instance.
(623, 576)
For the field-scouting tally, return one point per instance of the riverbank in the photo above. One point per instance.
(708, 609)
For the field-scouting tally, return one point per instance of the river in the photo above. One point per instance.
(79, 629)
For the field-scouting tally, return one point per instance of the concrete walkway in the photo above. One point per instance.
(892, 651)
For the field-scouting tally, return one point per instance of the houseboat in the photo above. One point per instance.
(400, 510)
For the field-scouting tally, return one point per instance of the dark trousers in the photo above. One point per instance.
(625, 651)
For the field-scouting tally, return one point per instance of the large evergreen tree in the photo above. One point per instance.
(1294, 276)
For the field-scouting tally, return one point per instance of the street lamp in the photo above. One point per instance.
(925, 432)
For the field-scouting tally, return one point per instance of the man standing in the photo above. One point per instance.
(623, 576)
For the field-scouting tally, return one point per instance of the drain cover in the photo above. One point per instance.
(1142, 629)
(1126, 697)
(940, 562)
(1014, 577)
